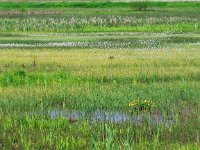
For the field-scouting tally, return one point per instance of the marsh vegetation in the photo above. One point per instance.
(112, 79)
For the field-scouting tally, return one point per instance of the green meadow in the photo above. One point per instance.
(99, 75)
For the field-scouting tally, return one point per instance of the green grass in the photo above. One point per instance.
(78, 17)
(89, 80)
(52, 134)
(134, 52)
(29, 5)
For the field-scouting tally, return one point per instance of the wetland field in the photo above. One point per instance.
(100, 75)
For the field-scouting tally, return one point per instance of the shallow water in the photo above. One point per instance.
(113, 117)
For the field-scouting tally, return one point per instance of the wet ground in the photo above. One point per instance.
(121, 40)
(111, 116)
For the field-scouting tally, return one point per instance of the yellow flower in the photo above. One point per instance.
(120, 131)
(139, 103)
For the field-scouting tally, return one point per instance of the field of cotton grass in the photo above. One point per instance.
(123, 77)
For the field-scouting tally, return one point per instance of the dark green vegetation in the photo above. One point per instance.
(70, 56)
(57, 5)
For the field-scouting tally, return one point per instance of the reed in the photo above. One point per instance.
(99, 24)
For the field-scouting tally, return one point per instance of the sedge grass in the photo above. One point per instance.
(35, 81)
(89, 80)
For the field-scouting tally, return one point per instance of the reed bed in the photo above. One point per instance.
(98, 23)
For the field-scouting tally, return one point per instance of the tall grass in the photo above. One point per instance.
(89, 80)
(98, 23)
(170, 76)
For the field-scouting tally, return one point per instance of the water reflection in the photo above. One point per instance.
(113, 117)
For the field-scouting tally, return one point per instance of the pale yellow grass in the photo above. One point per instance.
(125, 63)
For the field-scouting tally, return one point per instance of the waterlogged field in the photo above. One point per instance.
(122, 40)
(57, 98)
(129, 79)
